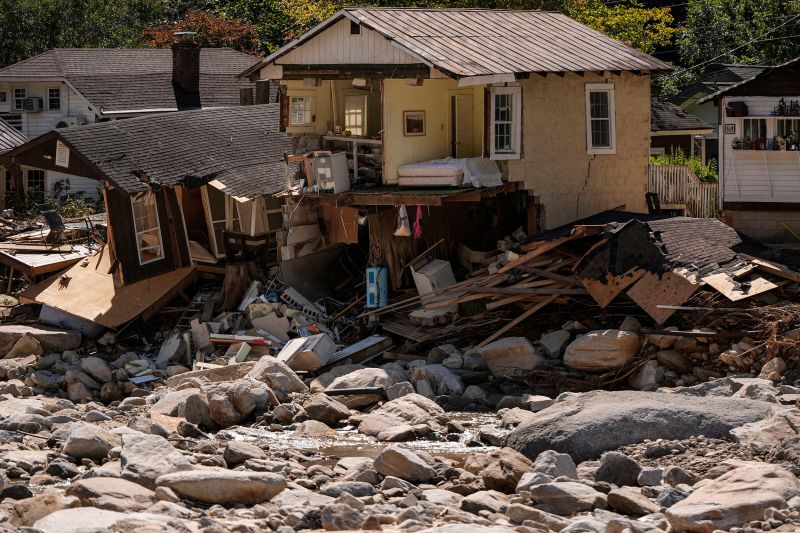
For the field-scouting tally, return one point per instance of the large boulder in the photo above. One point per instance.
(224, 486)
(52, 340)
(367, 377)
(566, 497)
(89, 441)
(511, 356)
(97, 369)
(443, 381)
(598, 351)
(146, 457)
(586, 425)
(173, 403)
(735, 498)
(280, 378)
(32, 509)
(410, 409)
(112, 494)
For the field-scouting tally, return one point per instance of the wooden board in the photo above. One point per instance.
(671, 288)
(33, 264)
(91, 293)
(739, 289)
(342, 223)
(605, 291)
(777, 269)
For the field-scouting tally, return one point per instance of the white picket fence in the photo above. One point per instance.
(677, 185)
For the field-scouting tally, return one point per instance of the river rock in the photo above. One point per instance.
(112, 494)
(442, 380)
(358, 489)
(511, 356)
(173, 403)
(411, 409)
(648, 377)
(580, 424)
(89, 441)
(519, 513)
(341, 517)
(97, 368)
(368, 377)
(567, 498)
(232, 402)
(278, 376)
(146, 457)
(735, 498)
(52, 340)
(403, 464)
(213, 375)
(554, 342)
(485, 500)
(619, 469)
(224, 486)
(631, 502)
(237, 452)
(554, 464)
(32, 509)
(598, 351)
(324, 409)
(501, 469)
(675, 361)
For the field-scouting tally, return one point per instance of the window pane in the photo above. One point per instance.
(148, 232)
(601, 133)
(502, 137)
(598, 103)
(355, 107)
(788, 127)
(36, 185)
(300, 110)
(754, 129)
(502, 107)
(54, 98)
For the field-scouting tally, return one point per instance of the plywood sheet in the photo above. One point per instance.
(90, 292)
(34, 264)
(739, 289)
(342, 224)
(670, 288)
(604, 291)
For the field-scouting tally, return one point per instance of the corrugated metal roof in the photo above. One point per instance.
(9, 137)
(482, 42)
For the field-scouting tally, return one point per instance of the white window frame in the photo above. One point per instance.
(516, 123)
(60, 98)
(596, 88)
(18, 99)
(308, 110)
(157, 228)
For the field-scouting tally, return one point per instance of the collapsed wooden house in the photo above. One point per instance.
(181, 190)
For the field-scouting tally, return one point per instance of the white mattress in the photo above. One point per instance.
(429, 181)
(453, 168)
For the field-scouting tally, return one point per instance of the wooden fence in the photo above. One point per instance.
(677, 185)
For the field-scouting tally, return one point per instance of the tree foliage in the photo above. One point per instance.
(212, 31)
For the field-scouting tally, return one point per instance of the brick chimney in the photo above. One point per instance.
(186, 62)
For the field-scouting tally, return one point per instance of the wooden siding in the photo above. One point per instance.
(678, 185)
(337, 46)
(757, 175)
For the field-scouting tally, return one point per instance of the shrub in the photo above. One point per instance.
(707, 172)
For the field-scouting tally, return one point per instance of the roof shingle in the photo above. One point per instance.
(9, 137)
(136, 79)
(238, 146)
(666, 116)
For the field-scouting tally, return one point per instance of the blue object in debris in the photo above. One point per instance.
(377, 287)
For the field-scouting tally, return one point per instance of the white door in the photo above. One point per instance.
(461, 133)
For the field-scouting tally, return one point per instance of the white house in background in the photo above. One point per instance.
(68, 87)
(759, 163)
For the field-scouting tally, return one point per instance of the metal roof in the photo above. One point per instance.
(9, 137)
(484, 42)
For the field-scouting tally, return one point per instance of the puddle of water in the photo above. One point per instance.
(350, 443)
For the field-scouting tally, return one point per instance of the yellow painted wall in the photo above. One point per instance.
(433, 98)
(569, 183)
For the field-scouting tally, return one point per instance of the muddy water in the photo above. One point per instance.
(350, 443)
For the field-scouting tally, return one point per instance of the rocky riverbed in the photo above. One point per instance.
(255, 448)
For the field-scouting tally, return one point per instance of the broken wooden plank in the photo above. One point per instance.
(530, 312)
(604, 291)
(363, 349)
(539, 251)
(735, 290)
(776, 269)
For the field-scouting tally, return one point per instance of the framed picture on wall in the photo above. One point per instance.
(413, 123)
(730, 129)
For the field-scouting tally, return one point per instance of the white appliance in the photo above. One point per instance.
(331, 172)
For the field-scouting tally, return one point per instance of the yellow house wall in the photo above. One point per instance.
(569, 183)
(433, 98)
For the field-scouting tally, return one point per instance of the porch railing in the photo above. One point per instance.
(677, 185)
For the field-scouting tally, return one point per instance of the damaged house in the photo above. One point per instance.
(176, 186)
(67, 87)
(410, 97)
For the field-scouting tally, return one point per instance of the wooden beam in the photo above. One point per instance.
(530, 312)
